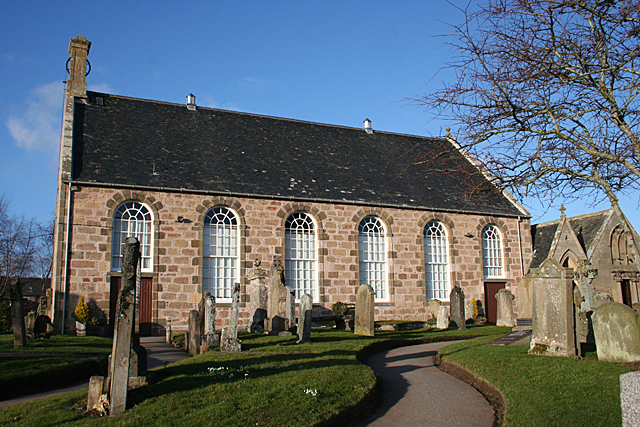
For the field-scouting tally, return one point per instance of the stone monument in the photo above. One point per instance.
(17, 313)
(434, 307)
(209, 337)
(121, 350)
(456, 299)
(504, 310)
(278, 299)
(304, 323)
(230, 341)
(258, 299)
(553, 312)
(167, 331)
(443, 317)
(364, 319)
(617, 331)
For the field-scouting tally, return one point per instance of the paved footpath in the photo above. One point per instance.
(159, 353)
(417, 393)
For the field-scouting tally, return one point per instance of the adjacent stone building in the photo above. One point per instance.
(209, 191)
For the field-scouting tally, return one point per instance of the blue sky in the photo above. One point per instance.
(336, 62)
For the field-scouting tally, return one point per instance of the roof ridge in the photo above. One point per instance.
(265, 116)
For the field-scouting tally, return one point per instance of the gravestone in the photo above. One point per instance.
(167, 331)
(194, 331)
(96, 386)
(290, 307)
(629, 398)
(31, 323)
(504, 299)
(616, 328)
(304, 324)
(553, 311)
(278, 299)
(443, 317)
(43, 327)
(434, 307)
(121, 349)
(456, 299)
(230, 341)
(600, 298)
(17, 314)
(364, 319)
(258, 298)
(468, 310)
(209, 337)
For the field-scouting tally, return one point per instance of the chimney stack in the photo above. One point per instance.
(78, 51)
(367, 126)
(191, 102)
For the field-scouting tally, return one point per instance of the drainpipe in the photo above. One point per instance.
(520, 248)
(66, 260)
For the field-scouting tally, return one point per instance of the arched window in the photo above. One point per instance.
(492, 252)
(220, 263)
(132, 219)
(373, 256)
(300, 255)
(619, 250)
(436, 260)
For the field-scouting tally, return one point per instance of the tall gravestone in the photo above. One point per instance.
(304, 323)
(278, 299)
(258, 299)
(504, 300)
(364, 319)
(553, 313)
(17, 314)
(209, 337)
(167, 331)
(443, 317)
(456, 299)
(121, 349)
(290, 307)
(230, 341)
(434, 307)
(617, 332)
(194, 333)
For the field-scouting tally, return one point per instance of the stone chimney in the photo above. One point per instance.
(78, 50)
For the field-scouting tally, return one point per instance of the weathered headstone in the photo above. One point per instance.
(230, 341)
(209, 338)
(31, 323)
(278, 299)
(443, 317)
(43, 327)
(553, 311)
(17, 314)
(167, 331)
(44, 304)
(96, 386)
(121, 350)
(629, 398)
(636, 307)
(304, 324)
(504, 299)
(434, 307)
(456, 299)
(364, 319)
(468, 310)
(194, 331)
(258, 298)
(617, 331)
(600, 298)
(290, 307)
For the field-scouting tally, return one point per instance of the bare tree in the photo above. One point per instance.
(545, 95)
(25, 246)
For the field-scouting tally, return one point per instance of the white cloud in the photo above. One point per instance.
(37, 126)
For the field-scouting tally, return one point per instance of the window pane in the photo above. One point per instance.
(131, 219)
(220, 262)
(372, 255)
(436, 261)
(300, 255)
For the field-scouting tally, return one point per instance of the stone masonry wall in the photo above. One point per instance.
(177, 272)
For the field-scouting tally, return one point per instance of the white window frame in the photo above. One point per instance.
(301, 255)
(436, 261)
(492, 253)
(372, 256)
(134, 219)
(220, 253)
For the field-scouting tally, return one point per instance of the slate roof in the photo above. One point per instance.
(586, 228)
(135, 142)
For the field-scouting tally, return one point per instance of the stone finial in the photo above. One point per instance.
(562, 211)
(78, 51)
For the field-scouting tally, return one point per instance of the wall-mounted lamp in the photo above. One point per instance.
(180, 219)
(468, 235)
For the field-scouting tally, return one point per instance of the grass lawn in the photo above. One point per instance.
(543, 390)
(22, 375)
(273, 382)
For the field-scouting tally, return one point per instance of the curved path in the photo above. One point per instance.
(416, 393)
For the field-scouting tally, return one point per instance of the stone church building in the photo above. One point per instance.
(209, 191)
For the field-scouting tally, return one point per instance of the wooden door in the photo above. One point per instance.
(626, 292)
(490, 302)
(144, 317)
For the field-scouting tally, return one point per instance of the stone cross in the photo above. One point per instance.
(121, 350)
(257, 298)
(230, 341)
(304, 319)
(504, 299)
(456, 299)
(364, 319)
(209, 338)
(17, 313)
